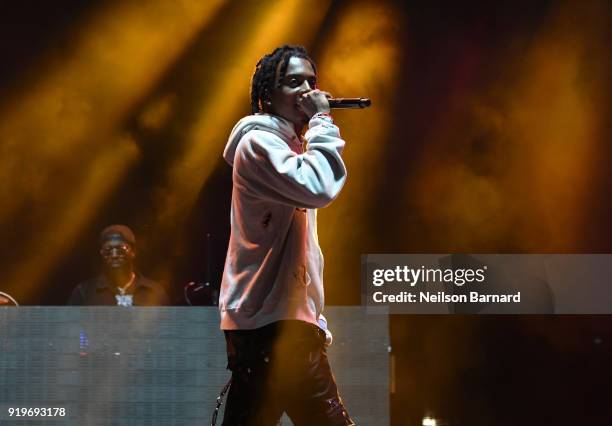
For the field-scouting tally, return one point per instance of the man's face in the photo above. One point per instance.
(116, 253)
(299, 78)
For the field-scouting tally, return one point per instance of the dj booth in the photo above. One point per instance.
(157, 366)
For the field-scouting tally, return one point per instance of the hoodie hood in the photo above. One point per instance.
(270, 123)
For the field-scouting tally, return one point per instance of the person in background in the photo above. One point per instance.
(119, 283)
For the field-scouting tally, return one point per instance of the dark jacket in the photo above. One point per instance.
(98, 291)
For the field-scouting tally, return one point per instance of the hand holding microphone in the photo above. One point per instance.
(314, 102)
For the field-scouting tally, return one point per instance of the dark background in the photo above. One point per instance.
(464, 369)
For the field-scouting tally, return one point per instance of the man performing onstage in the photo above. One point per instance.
(119, 284)
(272, 290)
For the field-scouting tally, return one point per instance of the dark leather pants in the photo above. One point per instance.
(281, 367)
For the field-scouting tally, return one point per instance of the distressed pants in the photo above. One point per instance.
(282, 367)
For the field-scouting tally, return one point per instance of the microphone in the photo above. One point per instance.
(349, 103)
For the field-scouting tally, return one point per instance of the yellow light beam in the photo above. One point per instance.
(116, 57)
(556, 133)
(544, 129)
(358, 59)
(293, 21)
(56, 133)
(63, 225)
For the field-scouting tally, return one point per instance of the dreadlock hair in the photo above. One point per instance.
(264, 76)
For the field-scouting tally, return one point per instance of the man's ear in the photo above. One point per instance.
(266, 101)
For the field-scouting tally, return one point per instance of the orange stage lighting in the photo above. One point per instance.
(358, 60)
(227, 99)
(64, 129)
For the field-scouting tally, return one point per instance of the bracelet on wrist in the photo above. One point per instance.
(324, 115)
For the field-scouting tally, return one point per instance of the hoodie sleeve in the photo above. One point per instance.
(267, 167)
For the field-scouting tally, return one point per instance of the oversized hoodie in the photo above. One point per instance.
(274, 266)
